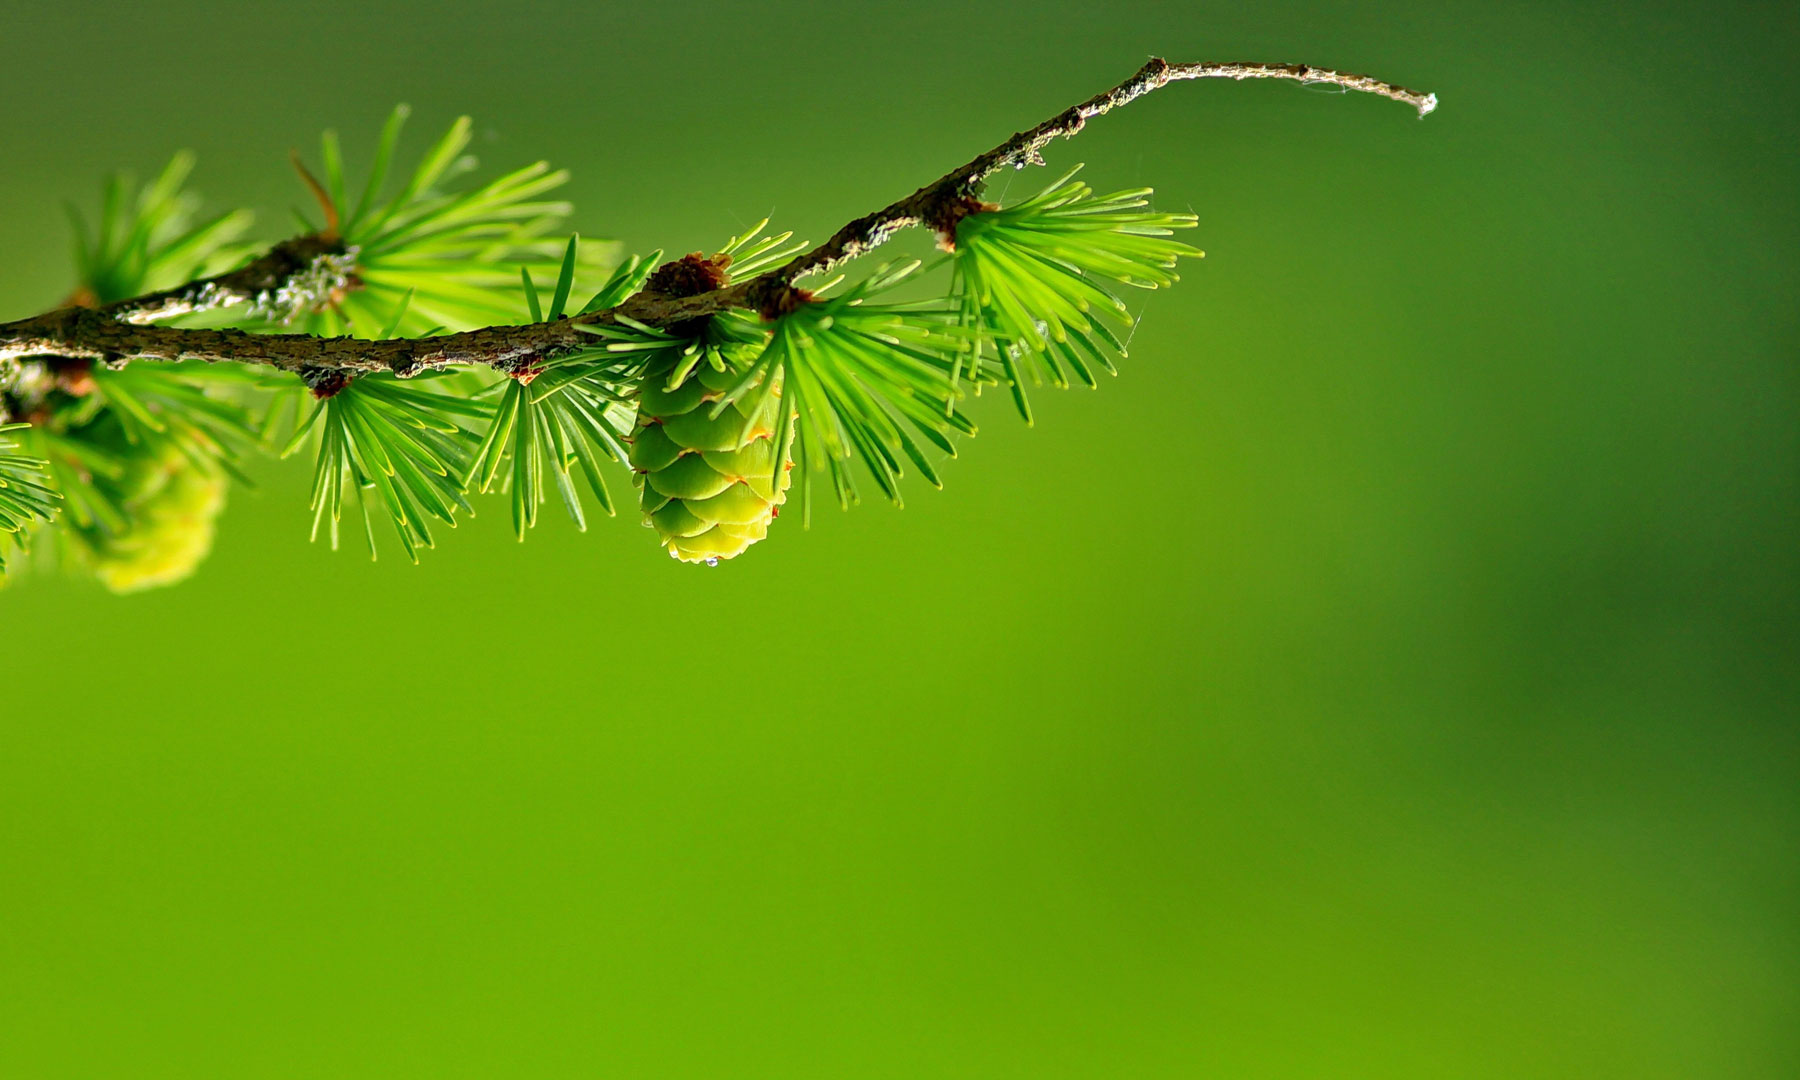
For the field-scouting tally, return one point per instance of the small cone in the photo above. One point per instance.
(710, 486)
(172, 506)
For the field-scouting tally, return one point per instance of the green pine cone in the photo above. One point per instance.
(172, 506)
(710, 486)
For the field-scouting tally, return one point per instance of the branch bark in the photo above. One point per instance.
(931, 202)
(291, 276)
(294, 276)
(87, 334)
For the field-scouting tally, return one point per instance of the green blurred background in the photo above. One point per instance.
(1391, 674)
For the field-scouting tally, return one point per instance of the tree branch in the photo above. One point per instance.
(300, 273)
(293, 277)
(935, 201)
(85, 334)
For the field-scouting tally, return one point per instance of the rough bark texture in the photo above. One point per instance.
(300, 274)
(86, 334)
(295, 276)
(942, 197)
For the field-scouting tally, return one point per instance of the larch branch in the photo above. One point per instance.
(292, 277)
(299, 274)
(1025, 148)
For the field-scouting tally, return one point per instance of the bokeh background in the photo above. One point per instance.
(1391, 674)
